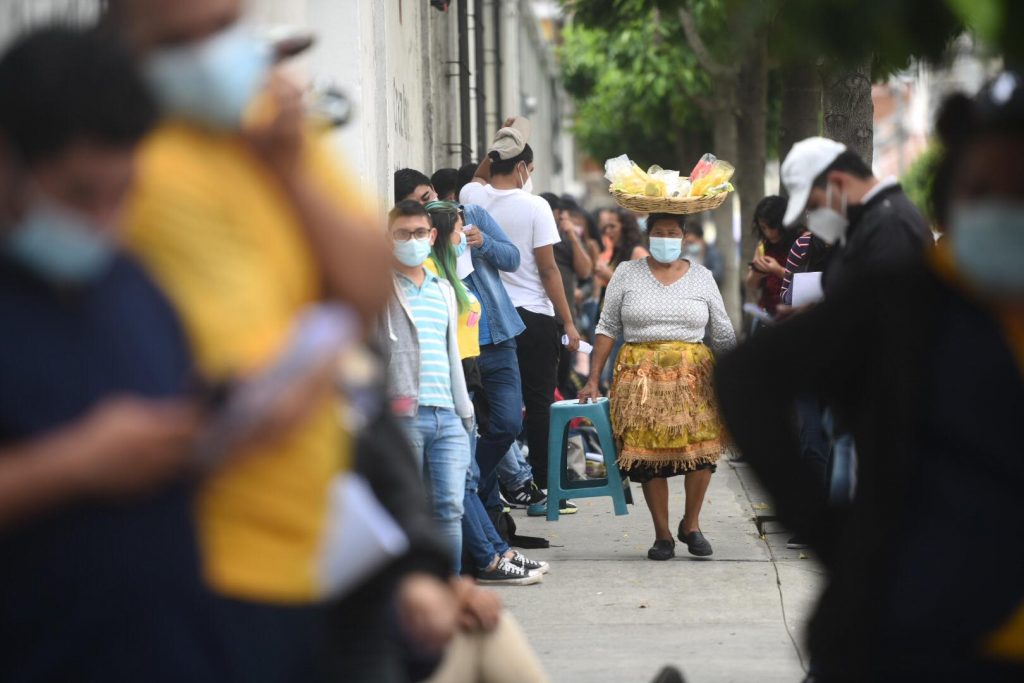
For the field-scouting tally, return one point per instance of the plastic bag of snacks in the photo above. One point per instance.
(709, 177)
(714, 178)
(625, 176)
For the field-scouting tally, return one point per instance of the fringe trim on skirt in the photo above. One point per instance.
(663, 407)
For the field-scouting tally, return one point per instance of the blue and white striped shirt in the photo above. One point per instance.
(429, 310)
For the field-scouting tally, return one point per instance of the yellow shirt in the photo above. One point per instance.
(468, 335)
(217, 233)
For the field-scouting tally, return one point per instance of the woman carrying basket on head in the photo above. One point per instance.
(664, 414)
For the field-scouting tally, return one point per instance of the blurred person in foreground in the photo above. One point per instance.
(663, 410)
(244, 220)
(926, 365)
(100, 578)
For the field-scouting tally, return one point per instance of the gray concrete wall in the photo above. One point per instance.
(397, 60)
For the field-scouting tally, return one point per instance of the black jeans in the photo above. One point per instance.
(537, 349)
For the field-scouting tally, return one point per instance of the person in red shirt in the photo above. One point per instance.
(767, 270)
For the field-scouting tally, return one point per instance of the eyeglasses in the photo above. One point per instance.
(406, 235)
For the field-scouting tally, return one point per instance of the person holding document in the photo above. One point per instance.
(925, 363)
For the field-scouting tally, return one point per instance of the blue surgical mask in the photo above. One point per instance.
(666, 249)
(412, 252)
(987, 237)
(59, 245)
(212, 82)
(460, 248)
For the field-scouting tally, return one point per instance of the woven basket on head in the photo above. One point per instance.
(645, 204)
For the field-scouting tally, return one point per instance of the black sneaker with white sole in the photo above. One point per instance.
(526, 496)
(508, 574)
(527, 564)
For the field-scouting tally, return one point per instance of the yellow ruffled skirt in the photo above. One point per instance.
(664, 414)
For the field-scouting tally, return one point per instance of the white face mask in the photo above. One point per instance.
(987, 237)
(528, 183)
(827, 223)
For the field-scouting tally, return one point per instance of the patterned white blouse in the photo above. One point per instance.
(644, 310)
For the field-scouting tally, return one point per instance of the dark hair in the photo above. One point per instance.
(443, 216)
(654, 218)
(405, 208)
(771, 210)
(998, 109)
(406, 181)
(694, 228)
(593, 232)
(466, 174)
(553, 201)
(569, 203)
(847, 162)
(446, 181)
(629, 238)
(61, 85)
(506, 167)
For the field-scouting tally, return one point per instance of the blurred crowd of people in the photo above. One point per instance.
(249, 431)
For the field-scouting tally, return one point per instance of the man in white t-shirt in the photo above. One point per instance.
(502, 186)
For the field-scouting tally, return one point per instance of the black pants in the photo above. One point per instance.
(537, 349)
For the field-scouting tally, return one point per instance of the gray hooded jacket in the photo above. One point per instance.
(401, 347)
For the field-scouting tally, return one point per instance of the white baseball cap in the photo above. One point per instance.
(805, 162)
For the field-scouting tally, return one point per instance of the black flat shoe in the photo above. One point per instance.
(695, 542)
(662, 550)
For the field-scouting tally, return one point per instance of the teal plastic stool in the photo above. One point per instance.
(559, 486)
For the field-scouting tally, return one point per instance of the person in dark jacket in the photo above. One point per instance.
(871, 221)
(926, 364)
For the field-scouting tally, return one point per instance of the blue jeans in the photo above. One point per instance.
(442, 446)
(815, 445)
(482, 540)
(843, 467)
(513, 471)
(499, 374)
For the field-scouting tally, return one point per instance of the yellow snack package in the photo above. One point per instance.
(720, 174)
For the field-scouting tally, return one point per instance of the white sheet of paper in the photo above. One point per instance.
(807, 289)
(360, 537)
(464, 265)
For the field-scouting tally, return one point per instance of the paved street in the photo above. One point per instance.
(606, 613)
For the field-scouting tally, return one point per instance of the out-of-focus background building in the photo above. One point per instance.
(429, 87)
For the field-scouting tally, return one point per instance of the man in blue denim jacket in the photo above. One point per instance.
(491, 251)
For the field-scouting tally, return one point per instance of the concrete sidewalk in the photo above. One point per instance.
(606, 613)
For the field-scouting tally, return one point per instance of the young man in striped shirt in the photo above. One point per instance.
(426, 384)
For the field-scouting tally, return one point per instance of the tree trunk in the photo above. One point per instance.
(801, 107)
(751, 118)
(849, 112)
(726, 147)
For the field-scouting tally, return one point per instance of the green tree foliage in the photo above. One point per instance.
(636, 87)
(919, 179)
